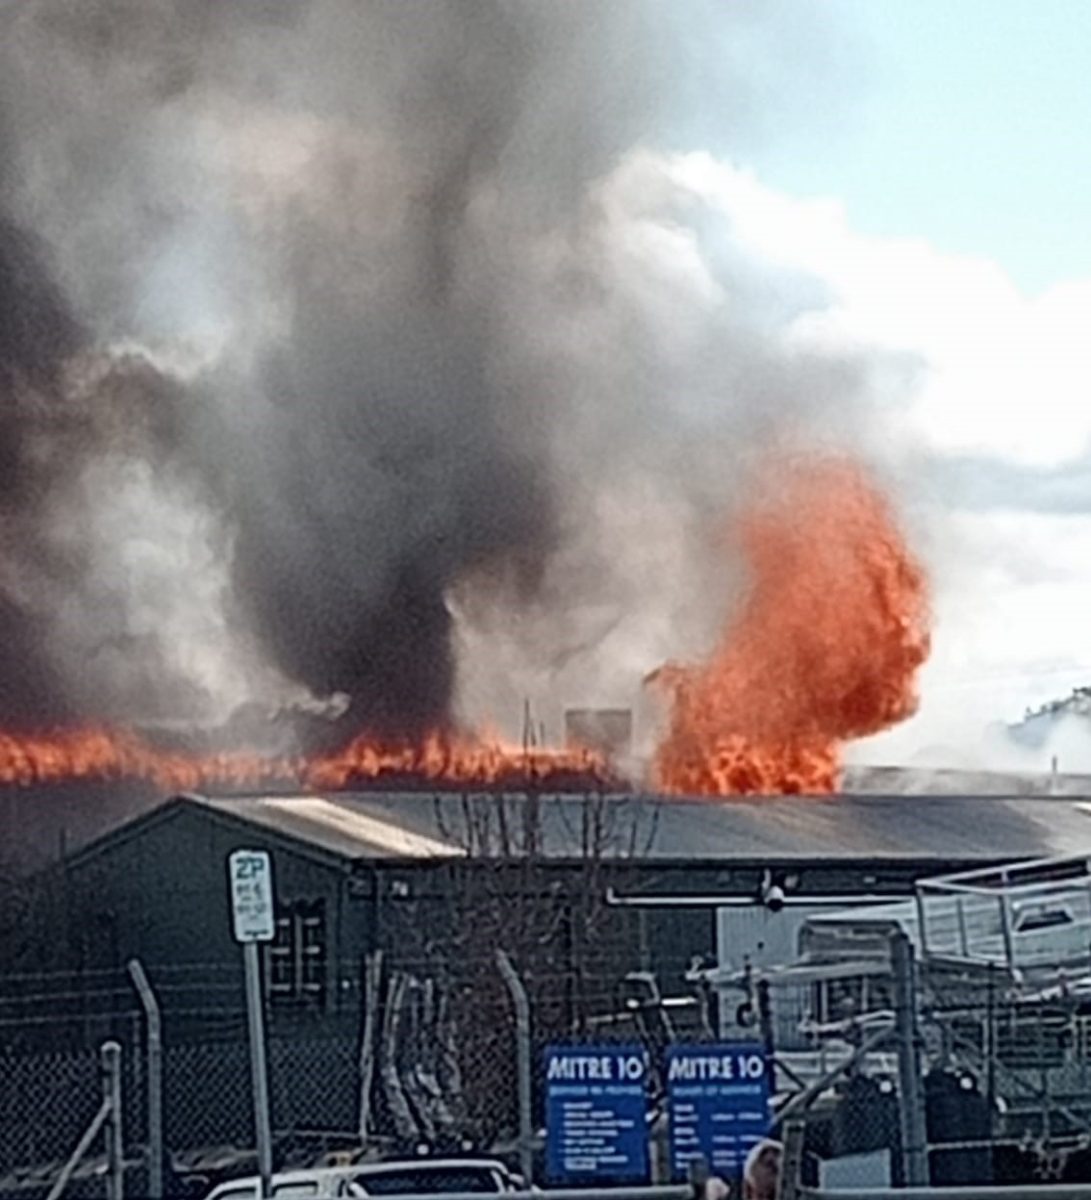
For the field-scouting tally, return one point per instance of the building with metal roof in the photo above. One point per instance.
(846, 827)
(611, 889)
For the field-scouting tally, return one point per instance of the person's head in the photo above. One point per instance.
(762, 1171)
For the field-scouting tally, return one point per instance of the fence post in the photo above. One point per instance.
(914, 1132)
(522, 1050)
(373, 975)
(790, 1179)
(154, 1028)
(768, 1038)
(115, 1144)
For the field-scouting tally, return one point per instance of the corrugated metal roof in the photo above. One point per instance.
(945, 781)
(844, 827)
(340, 825)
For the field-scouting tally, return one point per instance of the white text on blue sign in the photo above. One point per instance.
(716, 1066)
(629, 1069)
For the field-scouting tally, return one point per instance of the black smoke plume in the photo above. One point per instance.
(38, 334)
(321, 298)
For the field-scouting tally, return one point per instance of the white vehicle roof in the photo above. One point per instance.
(321, 1182)
(317, 1181)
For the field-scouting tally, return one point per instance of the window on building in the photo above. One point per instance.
(297, 955)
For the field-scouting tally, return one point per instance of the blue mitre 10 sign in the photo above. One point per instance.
(596, 1113)
(719, 1105)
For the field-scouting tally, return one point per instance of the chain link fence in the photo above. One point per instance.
(425, 1055)
(46, 1102)
(1000, 1081)
(423, 1061)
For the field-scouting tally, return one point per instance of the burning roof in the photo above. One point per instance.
(436, 761)
(377, 322)
(826, 647)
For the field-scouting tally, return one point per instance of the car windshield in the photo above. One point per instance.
(420, 1180)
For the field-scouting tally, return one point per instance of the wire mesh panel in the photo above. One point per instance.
(46, 1102)
(206, 1095)
(315, 1085)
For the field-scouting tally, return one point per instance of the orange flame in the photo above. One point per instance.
(439, 760)
(101, 753)
(472, 762)
(825, 648)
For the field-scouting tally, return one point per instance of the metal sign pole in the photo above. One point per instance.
(256, 1023)
(253, 921)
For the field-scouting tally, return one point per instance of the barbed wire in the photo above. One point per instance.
(423, 962)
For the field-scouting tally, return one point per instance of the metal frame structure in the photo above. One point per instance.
(986, 917)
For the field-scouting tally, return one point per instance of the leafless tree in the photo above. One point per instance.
(530, 878)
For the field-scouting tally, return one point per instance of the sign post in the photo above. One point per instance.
(596, 1114)
(719, 1105)
(253, 920)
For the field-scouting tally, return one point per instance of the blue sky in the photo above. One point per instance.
(967, 122)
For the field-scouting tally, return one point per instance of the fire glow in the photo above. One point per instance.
(438, 760)
(825, 648)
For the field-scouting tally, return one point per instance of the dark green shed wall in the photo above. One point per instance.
(159, 893)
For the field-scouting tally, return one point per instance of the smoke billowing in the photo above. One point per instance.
(37, 334)
(323, 322)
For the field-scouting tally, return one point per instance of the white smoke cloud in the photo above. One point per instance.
(670, 347)
(983, 370)
(1006, 375)
(1001, 381)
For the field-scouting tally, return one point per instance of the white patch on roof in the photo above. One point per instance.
(324, 822)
